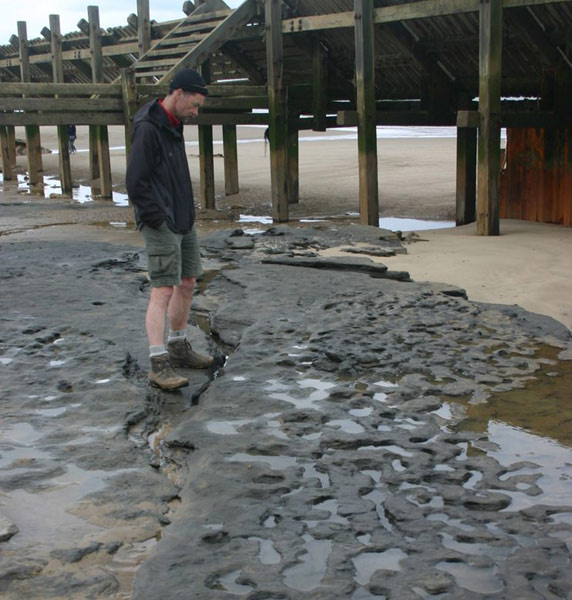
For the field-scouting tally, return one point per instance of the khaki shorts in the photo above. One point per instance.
(171, 256)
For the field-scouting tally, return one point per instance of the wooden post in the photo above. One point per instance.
(129, 95)
(63, 139)
(230, 160)
(206, 153)
(96, 71)
(490, 54)
(367, 136)
(293, 183)
(7, 168)
(33, 142)
(466, 175)
(101, 134)
(143, 26)
(11, 132)
(277, 109)
(319, 84)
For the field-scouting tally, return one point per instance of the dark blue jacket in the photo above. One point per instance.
(157, 178)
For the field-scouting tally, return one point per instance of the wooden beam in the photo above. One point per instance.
(129, 105)
(230, 160)
(518, 119)
(206, 154)
(62, 104)
(33, 140)
(400, 12)
(349, 118)
(7, 167)
(466, 187)
(213, 42)
(61, 119)
(367, 137)
(241, 59)
(293, 182)
(58, 74)
(277, 106)
(100, 160)
(319, 84)
(11, 131)
(143, 27)
(64, 89)
(490, 54)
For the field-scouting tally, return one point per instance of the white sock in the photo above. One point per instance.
(177, 335)
(157, 351)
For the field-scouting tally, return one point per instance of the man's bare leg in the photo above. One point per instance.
(156, 313)
(162, 374)
(180, 352)
(179, 305)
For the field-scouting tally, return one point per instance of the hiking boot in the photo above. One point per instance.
(163, 376)
(182, 356)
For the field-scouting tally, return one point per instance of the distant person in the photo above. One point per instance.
(72, 136)
(159, 186)
(266, 138)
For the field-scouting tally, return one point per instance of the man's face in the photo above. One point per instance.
(187, 104)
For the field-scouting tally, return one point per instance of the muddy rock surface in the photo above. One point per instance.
(331, 454)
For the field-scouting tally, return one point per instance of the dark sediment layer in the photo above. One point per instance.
(326, 459)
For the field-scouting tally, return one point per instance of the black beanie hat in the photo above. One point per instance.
(189, 81)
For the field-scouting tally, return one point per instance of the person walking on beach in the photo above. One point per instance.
(72, 136)
(159, 186)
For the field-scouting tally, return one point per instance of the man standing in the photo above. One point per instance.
(159, 186)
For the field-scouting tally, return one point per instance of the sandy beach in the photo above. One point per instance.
(528, 264)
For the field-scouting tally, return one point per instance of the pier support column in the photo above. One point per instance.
(206, 153)
(63, 139)
(230, 152)
(490, 54)
(7, 168)
(33, 141)
(99, 135)
(277, 110)
(466, 175)
(367, 136)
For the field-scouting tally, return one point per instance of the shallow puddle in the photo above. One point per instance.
(267, 554)
(367, 563)
(309, 573)
(230, 585)
(543, 407)
(51, 185)
(531, 424)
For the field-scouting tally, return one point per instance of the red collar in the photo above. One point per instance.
(172, 119)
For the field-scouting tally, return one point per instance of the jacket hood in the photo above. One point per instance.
(153, 113)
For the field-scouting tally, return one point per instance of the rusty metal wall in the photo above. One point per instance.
(536, 184)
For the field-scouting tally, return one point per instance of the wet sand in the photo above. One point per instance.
(528, 264)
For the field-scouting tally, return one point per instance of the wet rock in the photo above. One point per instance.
(7, 529)
(16, 569)
(435, 582)
(74, 555)
(276, 456)
(241, 243)
(488, 502)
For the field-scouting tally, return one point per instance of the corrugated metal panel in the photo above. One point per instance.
(537, 182)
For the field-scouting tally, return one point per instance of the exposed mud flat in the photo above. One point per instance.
(343, 450)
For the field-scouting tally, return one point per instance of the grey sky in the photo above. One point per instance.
(111, 13)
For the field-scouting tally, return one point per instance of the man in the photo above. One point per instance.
(159, 186)
(72, 135)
